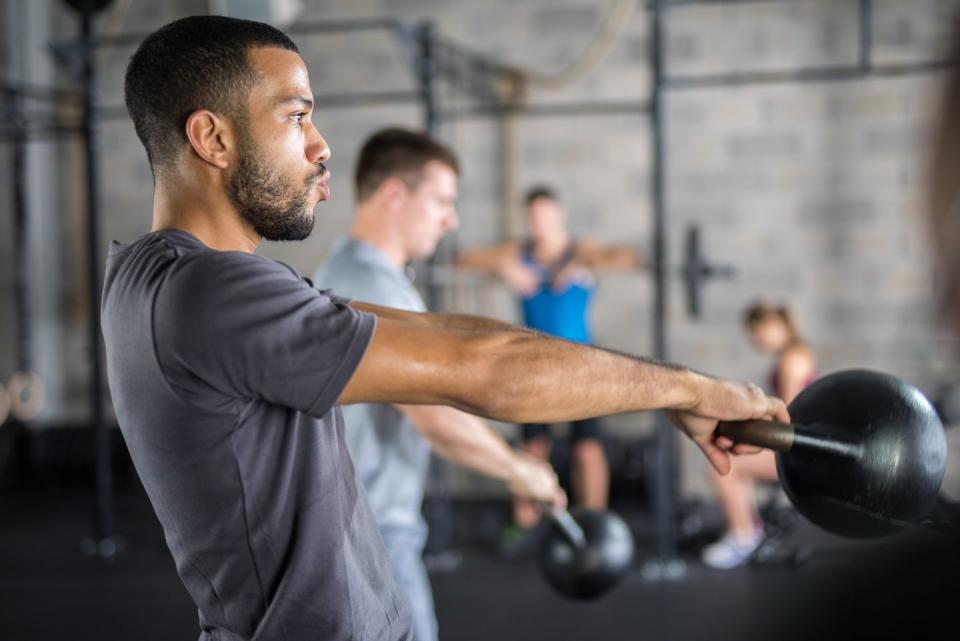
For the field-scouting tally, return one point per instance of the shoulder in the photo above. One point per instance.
(210, 280)
(217, 267)
(359, 280)
(797, 356)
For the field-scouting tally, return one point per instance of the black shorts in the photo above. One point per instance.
(588, 428)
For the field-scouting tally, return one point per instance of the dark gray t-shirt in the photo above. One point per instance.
(224, 369)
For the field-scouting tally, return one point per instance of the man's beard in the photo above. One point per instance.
(275, 207)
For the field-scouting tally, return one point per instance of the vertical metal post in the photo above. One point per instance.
(866, 35)
(426, 69)
(426, 75)
(437, 508)
(103, 503)
(666, 564)
(20, 222)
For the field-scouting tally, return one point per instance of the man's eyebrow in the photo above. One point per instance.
(303, 100)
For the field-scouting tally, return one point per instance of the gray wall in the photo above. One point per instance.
(813, 191)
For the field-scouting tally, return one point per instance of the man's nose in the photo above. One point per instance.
(317, 148)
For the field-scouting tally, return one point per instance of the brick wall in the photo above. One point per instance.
(811, 190)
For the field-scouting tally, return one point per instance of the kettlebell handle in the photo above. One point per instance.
(783, 437)
(566, 524)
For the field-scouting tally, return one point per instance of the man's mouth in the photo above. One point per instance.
(321, 182)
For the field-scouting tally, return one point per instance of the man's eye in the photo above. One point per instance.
(298, 118)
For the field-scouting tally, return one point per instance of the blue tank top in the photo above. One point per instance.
(563, 313)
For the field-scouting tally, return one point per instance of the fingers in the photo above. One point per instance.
(545, 485)
(718, 458)
(742, 449)
(768, 407)
(771, 407)
(724, 442)
(560, 499)
(778, 410)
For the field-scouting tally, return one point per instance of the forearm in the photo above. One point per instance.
(477, 264)
(542, 379)
(487, 259)
(463, 439)
(612, 259)
(511, 374)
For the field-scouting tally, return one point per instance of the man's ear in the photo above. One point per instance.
(393, 192)
(211, 137)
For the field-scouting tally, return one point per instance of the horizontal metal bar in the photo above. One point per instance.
(368, 98)
(811, 74)
(679, 4)
(8, 135)
(28, 90)
(601, 108)
(348, 25)
(111, 112)
(476, 59)
(321, 101)
(132, 39)
(557, 110)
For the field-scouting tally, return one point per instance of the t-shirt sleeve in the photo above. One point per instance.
(246, 327)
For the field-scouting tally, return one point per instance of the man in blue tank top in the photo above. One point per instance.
(552, 275)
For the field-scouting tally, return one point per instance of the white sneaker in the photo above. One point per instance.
(731, 551)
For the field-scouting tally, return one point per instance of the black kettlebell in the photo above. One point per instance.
(864, 457)
(586, 552)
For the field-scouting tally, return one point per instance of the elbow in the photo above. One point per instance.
(496, 390)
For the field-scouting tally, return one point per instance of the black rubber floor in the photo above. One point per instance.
(904, 588)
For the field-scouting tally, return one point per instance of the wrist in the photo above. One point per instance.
(688, 388)
(514, 469)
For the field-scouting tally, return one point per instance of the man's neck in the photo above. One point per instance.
(551, 245)
(370, 228)
(213, 220)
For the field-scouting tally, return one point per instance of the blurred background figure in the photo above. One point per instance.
(552, 275)
(406, 201)
(772, 330)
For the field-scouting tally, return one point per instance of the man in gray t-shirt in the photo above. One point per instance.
(227, 407)
(226, 368)
(407, 189)
(390, 456)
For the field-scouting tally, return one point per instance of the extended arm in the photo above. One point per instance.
(520, 376)
(490, 259)
(503, 261)
(608, 257)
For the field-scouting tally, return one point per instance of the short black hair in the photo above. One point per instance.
(540, 191)
(193, 63)
(400, 153)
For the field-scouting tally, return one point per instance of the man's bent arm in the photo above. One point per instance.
(471, 442)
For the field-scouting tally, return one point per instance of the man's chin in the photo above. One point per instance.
(426, 253)
(300, 231)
